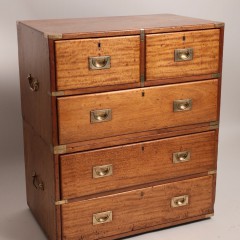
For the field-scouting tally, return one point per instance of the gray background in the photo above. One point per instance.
(16, 222)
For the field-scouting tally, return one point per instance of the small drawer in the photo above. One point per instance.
(125, 166)
(102, 115)
(184, 54)
(98, 62)
(125, 212)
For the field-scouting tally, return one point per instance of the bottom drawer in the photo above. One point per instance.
(130, 211)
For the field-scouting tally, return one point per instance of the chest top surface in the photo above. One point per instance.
(115, 26)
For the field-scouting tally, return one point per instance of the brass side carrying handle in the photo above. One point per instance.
(179, 157)
(36, 182)
(102, 171)
(103, 217)
(33, 83)
(182, 105)
(185, 54)
(102, 115)
(98, 63)
(180, 201)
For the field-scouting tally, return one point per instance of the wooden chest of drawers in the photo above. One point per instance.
(120, 119)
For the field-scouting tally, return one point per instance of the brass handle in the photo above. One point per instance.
(98, 63)
(102, 115)
(33, 83)
(185, 54)
(36, 182)
(103, 217)
(179, 157)
(102, 171)
(182, 105)
(180, 201)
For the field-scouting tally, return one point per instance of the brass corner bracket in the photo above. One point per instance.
(61, 202)
(209, 215)
(212, 172)
(53, 36)
(61, 149)
(214, 125)
(216, 75)
(56, 94)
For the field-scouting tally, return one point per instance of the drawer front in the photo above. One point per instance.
(97, 62)
(125, 166)
(103, 115)
(182, 54)
(133, 210)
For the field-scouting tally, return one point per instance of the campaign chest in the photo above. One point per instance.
(120, 120)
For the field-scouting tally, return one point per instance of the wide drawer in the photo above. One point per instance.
(96, 62)
(182, 54)
(125, 212)
(125, 166)
(102, 115)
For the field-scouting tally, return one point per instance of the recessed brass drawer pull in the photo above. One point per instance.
(179, 157)
(103, 217)
(102, 115)
(179, 201)
(102, 171)
(182, 105)
(185, 54)
(98, 63)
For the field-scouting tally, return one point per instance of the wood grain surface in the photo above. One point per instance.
(136, 164)
(136, 110)
(34, 60)
(137, 209)
(160, 48)
(116, 26)
(39, 159)
(72, 70)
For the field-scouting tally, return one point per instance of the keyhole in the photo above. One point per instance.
(184, 38)
(99, 45)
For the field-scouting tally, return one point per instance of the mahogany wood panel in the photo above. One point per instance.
(138, 137)
(39, 159)
(137, 209)
(72, 67)
(157, 227)
(34, 60)
(160, 63)
(136, 110)
(116, 26)
(136, 164)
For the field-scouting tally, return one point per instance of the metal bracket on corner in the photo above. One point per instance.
(214, 125)
(61, 149)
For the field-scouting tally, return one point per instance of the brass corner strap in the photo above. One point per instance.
(53, 36)
(143, 57)
(57, 94)
(61, 202)
(214, 125)
(209, 215)
(212, 172)
(219, 25)
(216, 75)
(61, 149)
